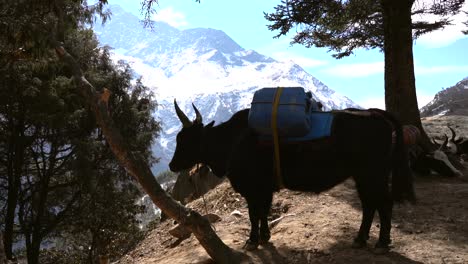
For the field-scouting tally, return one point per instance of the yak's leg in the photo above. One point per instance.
(264, 209)
(376, 192)
(253, 241)
(264, 230)
(259, 208)
(368, 212)
(385, 215)
(364, 188)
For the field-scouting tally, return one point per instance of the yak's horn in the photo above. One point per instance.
(199, 118)
(444, 145)
(182, 117)
(453, 134)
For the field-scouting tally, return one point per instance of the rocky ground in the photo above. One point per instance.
(319, 228)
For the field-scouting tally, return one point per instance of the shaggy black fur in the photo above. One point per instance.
(360, 147)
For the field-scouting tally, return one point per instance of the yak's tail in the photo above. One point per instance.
(402, 177)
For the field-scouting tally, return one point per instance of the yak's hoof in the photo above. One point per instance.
(381, 248)
(359, 243)
(249, 245)
(264, 239)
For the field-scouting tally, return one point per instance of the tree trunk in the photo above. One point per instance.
(92, 247)
(33, 252)
(3, 259)
(12, 200)
(38, 225)
(138, 168)
(400, 86)
(15, 165)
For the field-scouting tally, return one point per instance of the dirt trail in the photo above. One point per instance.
(320, 228)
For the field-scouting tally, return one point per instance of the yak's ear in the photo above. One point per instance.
(210, 124)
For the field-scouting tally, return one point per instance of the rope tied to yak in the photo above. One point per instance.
(201, 169)
(197, 191)
(274, 128)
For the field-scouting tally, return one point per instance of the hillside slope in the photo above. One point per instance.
(450, 101)
(320, 228)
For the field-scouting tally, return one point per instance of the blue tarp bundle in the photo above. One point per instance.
(297, 117)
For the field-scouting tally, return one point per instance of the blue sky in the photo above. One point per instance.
(441, 58)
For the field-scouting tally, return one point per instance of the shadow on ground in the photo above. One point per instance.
(339, 253)
(440, 212)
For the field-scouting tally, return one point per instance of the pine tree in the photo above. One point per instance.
(344, 26)
(51, 22)
(54, 156)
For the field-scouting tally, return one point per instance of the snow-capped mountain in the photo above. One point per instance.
(204, 66)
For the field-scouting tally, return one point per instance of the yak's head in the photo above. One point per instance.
(189, 141)
(441, 160)
(453, 144)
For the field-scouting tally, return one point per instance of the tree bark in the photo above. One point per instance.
(37, 215)
(33, 252)
(400, 86)
(134, 163)
(15, 166)
(3, 258)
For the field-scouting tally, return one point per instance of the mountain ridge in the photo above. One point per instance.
(449, 101)
(203, 66)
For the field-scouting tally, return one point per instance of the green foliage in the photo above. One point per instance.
(107, 206)
(343, 26)
(71, 187)
(27, 27)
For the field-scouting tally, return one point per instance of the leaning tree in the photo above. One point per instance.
(55, 19)
(53, 158)
(388, 25)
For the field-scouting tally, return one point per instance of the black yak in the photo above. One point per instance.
(361, 146)
(457, 146)
(439, 161)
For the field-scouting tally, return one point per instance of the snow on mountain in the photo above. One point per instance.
(449, 101)
(201, 65)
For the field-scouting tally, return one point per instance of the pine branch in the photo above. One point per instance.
(60, 216)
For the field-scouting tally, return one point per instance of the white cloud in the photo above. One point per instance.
(173, 18)
(445, 36)
(366, 69)
(424, 98)
(372, 102)
(356, 70)
(422, 70)
(379, 102)
(300, 60)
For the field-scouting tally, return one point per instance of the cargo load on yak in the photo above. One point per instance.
(290, 112)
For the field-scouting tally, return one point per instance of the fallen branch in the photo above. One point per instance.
(140, 170)
(273, 223)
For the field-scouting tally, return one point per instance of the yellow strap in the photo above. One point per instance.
(274, 127)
